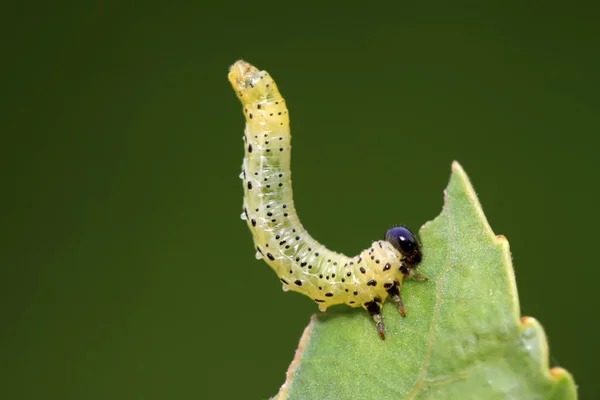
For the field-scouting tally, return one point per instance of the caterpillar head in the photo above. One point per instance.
(250, 84)
(406, 243)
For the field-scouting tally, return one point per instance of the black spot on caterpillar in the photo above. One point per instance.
(364, 280)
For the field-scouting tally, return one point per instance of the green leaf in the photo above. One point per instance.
(462, 338)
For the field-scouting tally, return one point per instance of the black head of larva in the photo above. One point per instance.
(405, 242)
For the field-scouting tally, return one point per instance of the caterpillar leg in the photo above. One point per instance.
(394, 293)
(375, 310)
(409, 271)
(417, 275)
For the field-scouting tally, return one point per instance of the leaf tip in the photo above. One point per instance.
(565, 386)
(532, 332)
(526, 321)
(503, 242)
(558, 373)
(456, 167)
(535, 341)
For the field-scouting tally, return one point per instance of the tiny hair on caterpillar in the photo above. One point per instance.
(303, 264)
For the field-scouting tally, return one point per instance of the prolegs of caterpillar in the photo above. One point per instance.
(301, 263)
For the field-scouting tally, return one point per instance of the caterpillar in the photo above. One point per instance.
(302, 264)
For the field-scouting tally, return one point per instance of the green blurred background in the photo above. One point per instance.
(126, 270)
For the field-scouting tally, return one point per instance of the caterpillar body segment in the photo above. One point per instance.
(303, 264)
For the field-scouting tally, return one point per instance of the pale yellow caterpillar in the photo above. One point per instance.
(303, 264)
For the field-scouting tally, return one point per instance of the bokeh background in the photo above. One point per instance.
(126, 270)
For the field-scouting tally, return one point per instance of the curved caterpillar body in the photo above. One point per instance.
(303, 264)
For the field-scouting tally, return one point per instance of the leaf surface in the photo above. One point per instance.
(463, 337)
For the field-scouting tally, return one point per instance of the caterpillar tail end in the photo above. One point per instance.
(249, 82)
(241, 74)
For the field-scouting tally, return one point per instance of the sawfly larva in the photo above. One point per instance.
(303, 264)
